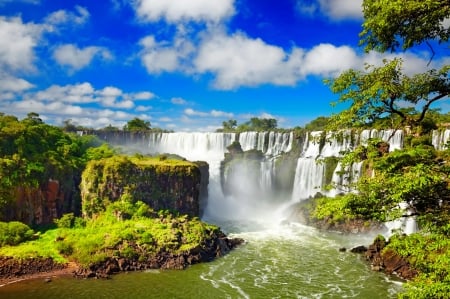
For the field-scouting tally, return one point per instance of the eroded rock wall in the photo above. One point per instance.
(162, 184)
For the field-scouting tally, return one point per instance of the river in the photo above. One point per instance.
(277, 261)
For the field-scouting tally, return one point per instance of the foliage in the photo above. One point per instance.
(32, 153)
(254, 124)
(148, 179)
(333, 210)
(430, 255)
(229, 125)
(137, 124)
(389, 25)
(14, 233)
(108, 235)
(381, 91)
(318, 124)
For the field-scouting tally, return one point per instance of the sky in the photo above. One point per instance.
(182, 65)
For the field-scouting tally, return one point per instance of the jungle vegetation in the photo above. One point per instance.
(417, 175)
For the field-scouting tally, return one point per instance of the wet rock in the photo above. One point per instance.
(359, 249)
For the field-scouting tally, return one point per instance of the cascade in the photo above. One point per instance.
(309, 177)
(248, 187)
(440, 138)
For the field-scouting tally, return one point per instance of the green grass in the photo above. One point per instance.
(106, 236)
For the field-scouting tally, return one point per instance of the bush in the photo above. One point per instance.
(14, 233)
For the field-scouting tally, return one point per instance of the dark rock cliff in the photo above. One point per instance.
(40, 206)
(162, 184)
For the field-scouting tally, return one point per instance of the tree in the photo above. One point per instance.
(318, 124)
(259, 124)
(229, 125)
(382, 91)
(137, 124)
(389, 25)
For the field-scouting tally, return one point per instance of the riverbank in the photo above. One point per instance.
(13, 270)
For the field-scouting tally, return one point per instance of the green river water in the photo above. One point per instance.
(292, 261)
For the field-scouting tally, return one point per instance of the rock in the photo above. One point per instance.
(359, 249)
(342, 249)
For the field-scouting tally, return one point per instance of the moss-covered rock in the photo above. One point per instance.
(161, 183)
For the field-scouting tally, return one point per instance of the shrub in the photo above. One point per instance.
(14, 232)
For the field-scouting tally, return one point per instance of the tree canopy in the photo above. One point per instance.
(393, 24)
(383, 91)
(137, 124)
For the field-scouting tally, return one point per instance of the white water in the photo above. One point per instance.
(254, 191)
(440, 139)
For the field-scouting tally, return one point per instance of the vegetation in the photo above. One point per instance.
(158, 181)
(14, 233)
(254, 124)
(383, 91)
(88, 241)
(418, 175)
(32, 153)
(137, 124)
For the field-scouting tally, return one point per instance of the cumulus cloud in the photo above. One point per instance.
(238, 60)
(163, 56)
(143, 95)
(79, 17)
(141, 108)
(18, 41)
(328, 60)
(9, 83)
(76, 58)
(334, 9)
(212, 113)
(77, 93)
(181, 10)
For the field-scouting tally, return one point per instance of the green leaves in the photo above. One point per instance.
(389, 25)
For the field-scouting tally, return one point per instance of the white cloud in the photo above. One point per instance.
(12, 84)
(78, 93)
(334, 9)
(76, 58)
(143, 95)
(217, 113)
(143, 108)
(18, 41)
(178, 101)
(162, 56)
(238, 60)
(212, 113)
(174, 11)
(67, 17)
(192, 112)
(329, 60)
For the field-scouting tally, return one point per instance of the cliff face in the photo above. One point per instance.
(37, 206)
(162, 184)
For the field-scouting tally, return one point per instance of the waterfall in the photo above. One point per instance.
(308, 178)
(251, 181)
(440, 139)
(257, 179)
(393, 137)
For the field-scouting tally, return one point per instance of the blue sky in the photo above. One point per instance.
(182, 65)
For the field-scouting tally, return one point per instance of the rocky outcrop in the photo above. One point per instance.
(218, 246)
(388, 260)
(172, 185)
(37, 206)
(12, 268)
